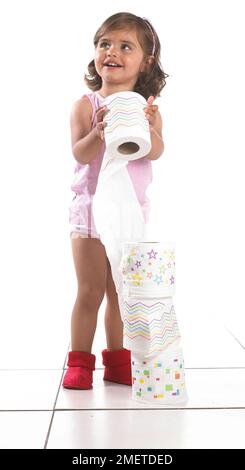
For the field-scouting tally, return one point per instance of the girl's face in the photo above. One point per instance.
(121, 48)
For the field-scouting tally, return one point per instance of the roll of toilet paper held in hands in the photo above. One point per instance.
(127, 132)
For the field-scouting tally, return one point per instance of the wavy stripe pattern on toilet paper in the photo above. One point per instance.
(127, 133)
(150, 326)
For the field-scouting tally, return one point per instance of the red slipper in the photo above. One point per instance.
(117, 366)
(79, 374)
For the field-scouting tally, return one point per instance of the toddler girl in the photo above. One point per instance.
(127, 58)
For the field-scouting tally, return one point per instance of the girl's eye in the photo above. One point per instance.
(125, 45)
(104, 44)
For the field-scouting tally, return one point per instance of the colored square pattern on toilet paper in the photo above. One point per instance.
(151, 382)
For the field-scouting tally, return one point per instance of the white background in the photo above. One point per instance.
(198, 189)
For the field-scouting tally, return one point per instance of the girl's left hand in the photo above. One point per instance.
(150, 111)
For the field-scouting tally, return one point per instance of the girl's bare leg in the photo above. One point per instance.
(91, 269)
(113, 322)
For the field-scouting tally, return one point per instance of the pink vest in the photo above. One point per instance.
(86, 176)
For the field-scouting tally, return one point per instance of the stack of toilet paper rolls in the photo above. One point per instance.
(150, 327)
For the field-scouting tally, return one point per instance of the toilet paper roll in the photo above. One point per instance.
(160, 380)
(148, 269)
(149, 326)
(127, 133)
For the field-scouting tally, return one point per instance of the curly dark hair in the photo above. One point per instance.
(152, 80)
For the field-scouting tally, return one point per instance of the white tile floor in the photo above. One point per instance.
(36, 412)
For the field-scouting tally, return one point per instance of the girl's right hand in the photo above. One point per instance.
(100, 124)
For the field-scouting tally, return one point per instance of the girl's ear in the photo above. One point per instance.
(147, 63)
(151, 59)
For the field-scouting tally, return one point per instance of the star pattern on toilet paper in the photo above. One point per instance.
(158, 279)
(137, 278)
(152, 254)
(138, 264)
(162, 269)
(147, 266)
(133, 253)
(172, 255)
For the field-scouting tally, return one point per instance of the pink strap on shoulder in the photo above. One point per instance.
(94, 100)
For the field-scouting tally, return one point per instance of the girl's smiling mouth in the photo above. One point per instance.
(110, 63)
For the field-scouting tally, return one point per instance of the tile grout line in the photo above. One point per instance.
(55, 401)
(102, 368)
(155, 408)
(126, 409)
(235, 338)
